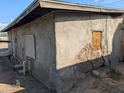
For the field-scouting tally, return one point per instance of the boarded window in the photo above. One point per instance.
(96, 40)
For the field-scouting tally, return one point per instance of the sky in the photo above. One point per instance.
(10, 9)
(103, 3)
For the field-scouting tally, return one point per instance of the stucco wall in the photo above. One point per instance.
(69, 45)
(43, 31)
(73, 32)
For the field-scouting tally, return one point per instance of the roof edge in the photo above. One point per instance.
(74, 6)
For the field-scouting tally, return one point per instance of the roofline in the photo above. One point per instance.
(73, 6)
(58, 5)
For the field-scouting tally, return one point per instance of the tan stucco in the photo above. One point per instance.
(74, 39)
(63, 45)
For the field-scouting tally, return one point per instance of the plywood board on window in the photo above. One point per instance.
(96, 40)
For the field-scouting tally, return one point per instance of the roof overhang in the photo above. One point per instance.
(41, 7)
(80, 7)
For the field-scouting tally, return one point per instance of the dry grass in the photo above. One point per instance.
(6, 88)
(3, 45)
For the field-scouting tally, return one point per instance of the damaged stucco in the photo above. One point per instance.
(74, 45)
(63, 43)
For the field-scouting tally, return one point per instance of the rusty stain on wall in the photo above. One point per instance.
(88, 53)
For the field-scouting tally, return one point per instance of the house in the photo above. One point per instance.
(64, 41)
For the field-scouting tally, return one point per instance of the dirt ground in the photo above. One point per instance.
(8, 79)
(109, 84)
(28, 84)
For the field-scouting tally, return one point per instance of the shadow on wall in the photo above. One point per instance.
(67, 76)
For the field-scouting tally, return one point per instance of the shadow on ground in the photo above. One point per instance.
(8, 80)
